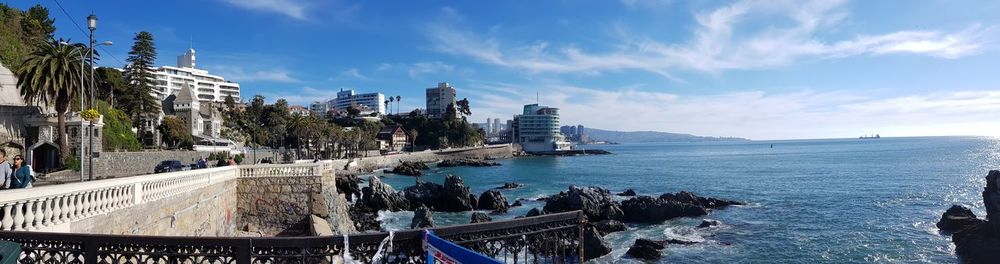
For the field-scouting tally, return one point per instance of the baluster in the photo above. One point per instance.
(116, 201)
(59, 215)
(85, 207)
(39, 214)
(71, 207)
(106, 200)
(19, 217)
(49, 211)
(7, 221)
(29, 216)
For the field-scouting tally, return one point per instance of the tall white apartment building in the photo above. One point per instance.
(538, 129)
(346, 98)
(438, 99)
(207, 87)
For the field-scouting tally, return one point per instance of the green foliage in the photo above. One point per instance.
(137, 101)
(238, 158)
(21, 32)
(118, 135)
(110, 85)
(439, 133)
(72, 163)
(175, 132)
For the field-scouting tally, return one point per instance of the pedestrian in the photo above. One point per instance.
(231, 162)
(202, 163)
(6, 170)
(23, 176)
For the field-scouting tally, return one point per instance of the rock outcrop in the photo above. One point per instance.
(381, 196)
(957, 218)
(410, 168)
(594, 245)
(596, 203)
(610, 226)
(516, 204)
(478, 217)
(422, 218)
(646, 249)
(466, 162)
(493, 200)
(535, 212)
(365, 219)
(509, 185)
(652, 210)
(350, 186)
(708, 223)
(453, 196)
(690, 198)
(628, 192)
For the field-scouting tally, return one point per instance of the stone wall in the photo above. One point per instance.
(208, 211)
(124, 164)
(372, 163)
(281, 206)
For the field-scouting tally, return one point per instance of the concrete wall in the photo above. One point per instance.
(123, 164)
(281, 206)
(373, 163)
(208, 211)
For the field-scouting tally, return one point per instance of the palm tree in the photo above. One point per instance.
(387, 105)
(397, 103)
(387, 110)
(50, 75)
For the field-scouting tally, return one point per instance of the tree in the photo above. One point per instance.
(175, 132)
(387, 105)
(463, 107)
(397, 103)
(413, 138)
(110, 84)
(50, 75)
(21, 32)
(37, 25)
(117, 132)
(140, 103)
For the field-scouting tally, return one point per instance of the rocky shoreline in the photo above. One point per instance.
(976, 240)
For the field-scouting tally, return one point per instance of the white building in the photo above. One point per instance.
(538, 129)
(346, 98)
(438, 99)
(319, 108)
(208, 88)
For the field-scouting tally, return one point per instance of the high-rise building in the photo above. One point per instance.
(539, 129)
(207, 88)
(488, 127)
(346, 98)
(496, 126)
(319, 108)
(438, 99)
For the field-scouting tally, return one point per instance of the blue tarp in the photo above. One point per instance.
(443, 251)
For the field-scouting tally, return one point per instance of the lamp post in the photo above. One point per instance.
(92, 25)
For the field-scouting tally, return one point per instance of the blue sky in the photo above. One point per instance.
(756, 69)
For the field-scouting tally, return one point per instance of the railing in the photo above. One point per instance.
(49, 208)
(281, 170)
(554, 238)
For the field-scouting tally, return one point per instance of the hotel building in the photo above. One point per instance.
(345, 98)
(538, 129)
(207, 88)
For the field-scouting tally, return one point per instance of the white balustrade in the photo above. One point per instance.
(281, 170)
(41, 208)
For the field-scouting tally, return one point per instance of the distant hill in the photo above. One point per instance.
(649, 136)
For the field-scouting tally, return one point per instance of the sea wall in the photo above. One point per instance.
(281, 206)
(206, 211)
(368, 164)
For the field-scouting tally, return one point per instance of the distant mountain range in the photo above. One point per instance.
(649, 136)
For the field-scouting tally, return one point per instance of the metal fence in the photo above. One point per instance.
(553, 238)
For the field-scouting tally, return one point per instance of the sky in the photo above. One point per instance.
(753, 69)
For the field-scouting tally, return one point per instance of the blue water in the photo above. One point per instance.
(810, 201)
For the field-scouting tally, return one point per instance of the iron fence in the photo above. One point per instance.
(553, 238)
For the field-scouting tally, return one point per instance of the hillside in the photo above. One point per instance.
(649, 136)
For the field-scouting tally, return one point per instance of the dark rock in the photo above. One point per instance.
(610, 226)
(410, 168)
(957, 218)
(381, 196)
(708, 223)
(596, 203)
(535, 212)
(478, 217)
(646, 249)
(365, 219)
(473, 201)
(453, 196)
(422, 218)
(977, 244)
(690, 198)
(651, 210)
(509, 185)
(594, 245)
(628, 192)
(466, 162)
(679, 242)
(350, 186)
(516, 203)
(493, 200)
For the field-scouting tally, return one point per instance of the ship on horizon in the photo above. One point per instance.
(876, 136)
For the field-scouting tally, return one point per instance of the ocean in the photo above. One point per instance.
(808, 201)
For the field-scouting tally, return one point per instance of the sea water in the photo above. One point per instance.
(808, 201)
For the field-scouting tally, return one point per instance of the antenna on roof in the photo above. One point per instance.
(536, 97)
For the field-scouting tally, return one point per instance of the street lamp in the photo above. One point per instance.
(92, 25)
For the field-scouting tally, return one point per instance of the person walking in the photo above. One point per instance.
(22, 177)
(6, 170)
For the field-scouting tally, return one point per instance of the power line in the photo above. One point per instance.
(70, 17)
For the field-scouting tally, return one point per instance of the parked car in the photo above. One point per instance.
(169, 165)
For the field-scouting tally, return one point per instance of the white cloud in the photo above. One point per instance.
(429, 67)
(351, 73)
(720, 42)
(239, 74)
(753, 114)
(290, 8)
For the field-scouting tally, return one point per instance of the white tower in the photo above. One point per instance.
(186, 60)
